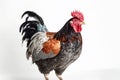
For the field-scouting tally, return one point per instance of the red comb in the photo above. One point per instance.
(77, 14)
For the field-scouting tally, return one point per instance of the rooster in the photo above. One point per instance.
(52, 50)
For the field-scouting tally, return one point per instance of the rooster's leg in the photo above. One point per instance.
(46, 76)
(59, 72)
(59, 76)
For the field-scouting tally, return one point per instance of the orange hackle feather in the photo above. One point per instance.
(52, 45)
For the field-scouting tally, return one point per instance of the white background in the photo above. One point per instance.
(100, 59)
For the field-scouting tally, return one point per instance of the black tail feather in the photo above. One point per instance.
(34, 15)
(30, 27)
(27, 24)
(28, 34)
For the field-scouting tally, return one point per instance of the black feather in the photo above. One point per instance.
(34, 15)
(67, 31)
(30, 27)
(28, 23)
(28, 31)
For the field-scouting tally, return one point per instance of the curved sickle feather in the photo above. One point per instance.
(27, 23)
(34, 15)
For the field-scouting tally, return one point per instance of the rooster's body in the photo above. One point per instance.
(52, 50)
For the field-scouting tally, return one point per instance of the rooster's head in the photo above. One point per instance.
(77, 21)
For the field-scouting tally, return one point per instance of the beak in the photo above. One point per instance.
(82, 23)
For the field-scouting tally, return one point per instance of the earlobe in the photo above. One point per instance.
(71, 23)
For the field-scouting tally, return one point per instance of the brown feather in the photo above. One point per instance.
(50, 34)
(52, 45)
